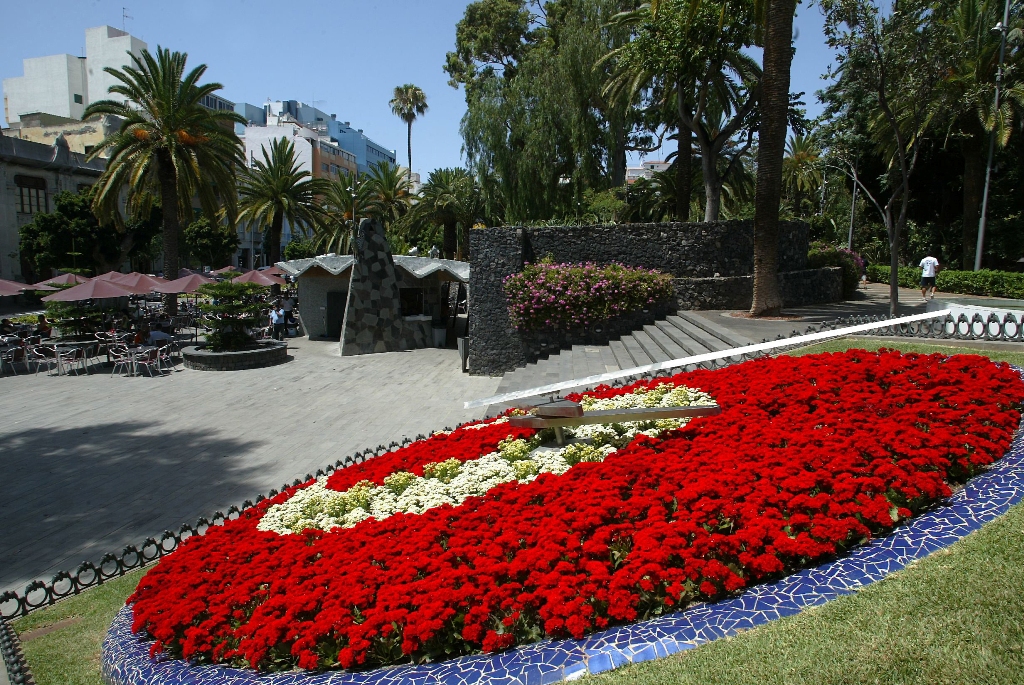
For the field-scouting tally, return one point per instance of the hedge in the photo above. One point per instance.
(984, 282)
(822, 255)
(570, 296)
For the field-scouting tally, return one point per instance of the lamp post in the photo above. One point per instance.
(1002, 28)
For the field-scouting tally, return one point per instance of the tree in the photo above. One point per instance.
(169, 146)
(886, 67)
(276, 189)
(298, 248)
(693, 50)
(70, 238)
(801, 170)
(391, 192)
(778, 56)
(966, 95)
(347, 199)
(451, 199)
(408, 103)
(209, 244)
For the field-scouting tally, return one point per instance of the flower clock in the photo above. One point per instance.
(491, 536)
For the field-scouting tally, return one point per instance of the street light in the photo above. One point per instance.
(1002, 28)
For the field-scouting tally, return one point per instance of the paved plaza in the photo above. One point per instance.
(93, 463)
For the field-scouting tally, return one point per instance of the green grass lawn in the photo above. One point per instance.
(954, 617)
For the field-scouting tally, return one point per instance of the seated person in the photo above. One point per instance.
(43, 327)
(159, 337)
(6, 327)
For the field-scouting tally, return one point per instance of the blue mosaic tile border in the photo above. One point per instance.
(126, 659)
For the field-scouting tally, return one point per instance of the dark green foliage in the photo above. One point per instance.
(71, 239)
(984, 282)
(234, 310)
(209, 244)
(299, 248)
(822, 255)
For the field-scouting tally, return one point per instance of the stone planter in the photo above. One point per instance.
(265, 353)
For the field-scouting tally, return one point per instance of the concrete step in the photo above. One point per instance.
(622, 358)
(666, 343)
(636, 352)
(681, 338)
(733, 338)
(651, 348)
(706, 339)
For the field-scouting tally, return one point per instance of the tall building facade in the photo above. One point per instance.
(64, 85)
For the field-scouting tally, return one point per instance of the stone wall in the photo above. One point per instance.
(687, 251)
(269, 353)
(312, 291)
(808, 286)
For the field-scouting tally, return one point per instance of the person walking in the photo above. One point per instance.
(929, 266)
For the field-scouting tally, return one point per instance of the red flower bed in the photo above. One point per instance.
(810, 456)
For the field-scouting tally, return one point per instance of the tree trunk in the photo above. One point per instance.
(893, 229)
(619, 157)
(778, 57)
(448, 246)
(712, 185)
(409, 143)
(684, 164)
(974, 184)
(274, 236)
(172, 226)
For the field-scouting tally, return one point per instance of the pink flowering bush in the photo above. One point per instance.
(567, 296)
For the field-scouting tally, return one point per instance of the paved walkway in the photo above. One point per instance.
(93, 463)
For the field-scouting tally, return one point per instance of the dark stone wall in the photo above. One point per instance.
(269, 353)
(692, 250)
(808, 286)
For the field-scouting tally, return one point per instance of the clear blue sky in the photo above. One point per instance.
(347, 54)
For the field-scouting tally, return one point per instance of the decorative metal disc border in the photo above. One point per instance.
(987, 496)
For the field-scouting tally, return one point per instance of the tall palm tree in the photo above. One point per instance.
(391, 191)
(275, 189)
(778, 58)
(169, 146)
(347, 199)
(450, 198)
(408, 103)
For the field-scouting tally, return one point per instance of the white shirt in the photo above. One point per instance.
(287, 304)
(928, 266)
(276, 316)
(158, 336)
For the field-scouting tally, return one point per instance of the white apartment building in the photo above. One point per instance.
(646, 170)
(64, 85)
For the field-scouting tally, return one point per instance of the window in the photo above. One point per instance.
(78, 99)
(324, 167)
(31, 194)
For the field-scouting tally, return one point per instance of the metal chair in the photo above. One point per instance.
(11, 358)
(122, 359)
(42, 356)
(148, 361)
(72, 359)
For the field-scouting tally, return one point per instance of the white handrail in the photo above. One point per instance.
(698, 358)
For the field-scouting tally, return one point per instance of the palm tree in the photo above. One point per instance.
(409, 102)
(778, 58)
(450, 198)
(801, 169)
(275, 189)
(347, 198)
(966, 96)
(169, 146)
(391, 191)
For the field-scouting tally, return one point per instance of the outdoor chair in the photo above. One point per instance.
(148, 360)
(42, 356)
(122, 359)
(72, 359)
(12, 358)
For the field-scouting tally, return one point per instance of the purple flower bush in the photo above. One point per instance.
(570, 296)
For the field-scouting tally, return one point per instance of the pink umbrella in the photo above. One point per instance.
(258, 277)
(273, 271)
(63, 279)
(187, 284)
(111, 276)
(224, 270)
(8, 288)
(96, 289)
(136, 280)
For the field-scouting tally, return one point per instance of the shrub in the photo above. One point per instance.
(823, 254)
(568, 296)
(984, 282)
(232, 313)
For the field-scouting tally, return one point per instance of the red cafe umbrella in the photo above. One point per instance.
(187, 284)
(224, 270)
(96, 289)
(63, 279)
(111, 276)
(259, 278)
(273, 271)
(8, 288)
(136, 280)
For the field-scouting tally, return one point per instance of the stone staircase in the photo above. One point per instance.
(681, 335)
